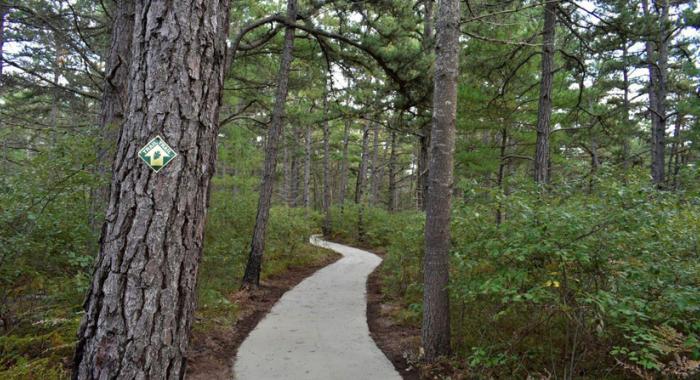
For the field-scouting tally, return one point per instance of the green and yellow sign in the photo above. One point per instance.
(156, 154)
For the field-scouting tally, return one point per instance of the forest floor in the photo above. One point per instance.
(213, 350)
(319, 330)
(397, 340)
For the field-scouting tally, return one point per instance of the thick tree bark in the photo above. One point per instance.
(392, 203)
(307, 167)
(362, 170)
(344, 166)
(140, 305)
(436, 308)
(544, 112)
(115, 94)
(374, 186)
(326, 199)
(114, 97)
(251, 278)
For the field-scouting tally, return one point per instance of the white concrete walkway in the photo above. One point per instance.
(318, 329)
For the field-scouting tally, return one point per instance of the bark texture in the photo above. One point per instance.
(139, 308)
(251, 278)
(114, 97)
(436, 308)
(544, 112)
(424, 137)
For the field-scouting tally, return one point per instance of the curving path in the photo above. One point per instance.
(318, 329)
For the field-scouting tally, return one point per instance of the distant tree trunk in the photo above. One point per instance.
(326, 199)
(251, 278)
(344, 167)
(501, 173)
(436, 307)
(287, 169)
(55, 91)
(382, 172)
(392, 175)
(595, 162)
(3, 13)
(626, 109)
(360, 184)
(424, 138)
(114, 98)
(374, 186)
(544, 112)
(675, 155)
(423, 162)
(307, 167)
(296, 137)
(139, 308)
(662, 45)
(362, 170)
(657, 66)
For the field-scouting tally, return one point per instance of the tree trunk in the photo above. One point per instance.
(3, 13)
(296, 137)
(140, 305)
(657, 66)
(55, 91)
(287, 169)
(344, 167)
(501, 173)
(326, 199)
(114, 98)
(362, 170)
(675, 155)
(360, 184)
(251, 278)
(626, 109)
(424, 139)
(307, 167)
(544, 112)
(374, 186)
(660, 132)
(436, 309)
(392, 175)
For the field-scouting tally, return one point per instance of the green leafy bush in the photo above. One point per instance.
(591, 285)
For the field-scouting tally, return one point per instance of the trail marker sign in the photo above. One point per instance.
(156, 154)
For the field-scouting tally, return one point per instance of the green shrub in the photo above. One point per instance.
(569, 282)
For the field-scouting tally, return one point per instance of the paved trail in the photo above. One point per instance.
(318, 329)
